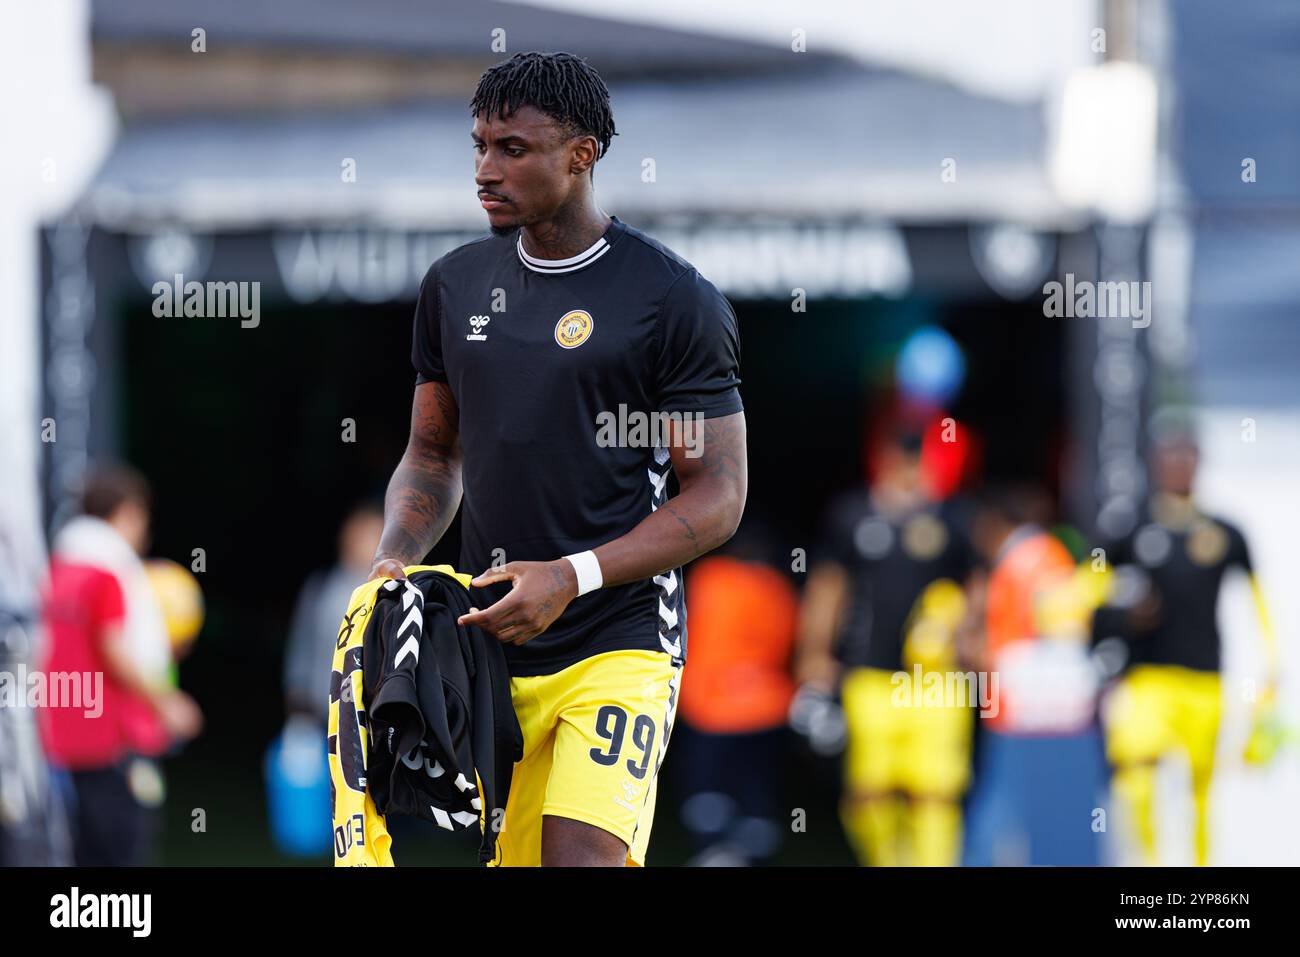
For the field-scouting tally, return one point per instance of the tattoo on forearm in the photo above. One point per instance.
(685, 523)
(422, 499)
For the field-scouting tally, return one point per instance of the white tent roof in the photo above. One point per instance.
(836, 144)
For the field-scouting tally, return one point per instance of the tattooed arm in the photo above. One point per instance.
(424, 492)
(703, 515)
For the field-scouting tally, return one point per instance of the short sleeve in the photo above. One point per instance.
(426, 338)
(699, 350)
(108, 603)
(836, 541)
(1238, 550)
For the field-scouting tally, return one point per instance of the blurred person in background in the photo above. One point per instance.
(744, 613)
(296, 764)
(102, 618)
(1040, 769)
(893, 564)
(1163, 607)
(321, 602)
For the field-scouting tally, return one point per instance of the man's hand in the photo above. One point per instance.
(1146, 616)
(179, 714)
(818, 670)
(387, 568)
(539, 594)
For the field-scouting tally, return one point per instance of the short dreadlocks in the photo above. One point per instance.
(561, 85)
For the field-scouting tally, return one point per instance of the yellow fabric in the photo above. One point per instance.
(594, 736)
(1154, 710)
(1065, 608)
(935, 831)
(873, 825)
(1265, 626)
(361, 837)
(921, 749)
(1266, 732)
(931, 629)
(1135, 790)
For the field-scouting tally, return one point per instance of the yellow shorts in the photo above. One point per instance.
(923, 749)
(595, 735)
(1156, 709)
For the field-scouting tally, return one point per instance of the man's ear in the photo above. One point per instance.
(583, 154)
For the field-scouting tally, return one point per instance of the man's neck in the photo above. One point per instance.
(895, 501)
(1173, 510)
(572, 230)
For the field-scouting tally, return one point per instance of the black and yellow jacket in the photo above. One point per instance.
(420, 719)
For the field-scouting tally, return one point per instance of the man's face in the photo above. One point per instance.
(524, 166)
(1174, 468)
(131, 519)
(901, 468)
(359, 540)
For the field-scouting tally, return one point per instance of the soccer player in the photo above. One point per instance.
(569, 366)
(1169, 699)
(893, 560)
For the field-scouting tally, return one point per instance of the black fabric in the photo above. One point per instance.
(438, 698)
(110, 827)
(1184, 566)
(890, 561)
(540, 481)
(744, 775)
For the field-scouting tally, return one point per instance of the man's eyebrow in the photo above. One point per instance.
(509, 138)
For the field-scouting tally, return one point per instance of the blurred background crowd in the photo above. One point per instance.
(1012, 584)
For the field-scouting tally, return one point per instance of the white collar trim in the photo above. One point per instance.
(552, 266)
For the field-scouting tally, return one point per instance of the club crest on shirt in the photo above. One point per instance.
(573, 329)
(924, 537)
(1207, 543)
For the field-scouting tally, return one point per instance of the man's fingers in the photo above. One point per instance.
(493, 575)
(387, 570)
(473, 617)
(515, 632)
(490, 617)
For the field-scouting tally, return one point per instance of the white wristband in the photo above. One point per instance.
(587, 567)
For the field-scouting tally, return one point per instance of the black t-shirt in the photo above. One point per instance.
(563, 372)
(890, 561)
(1186, 561)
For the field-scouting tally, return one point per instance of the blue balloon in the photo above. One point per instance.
(930, 366)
